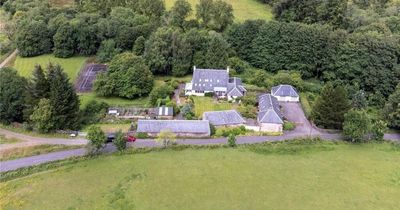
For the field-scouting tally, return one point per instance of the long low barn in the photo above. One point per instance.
(182, 128)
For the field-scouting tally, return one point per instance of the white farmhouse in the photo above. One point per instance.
(215, 81)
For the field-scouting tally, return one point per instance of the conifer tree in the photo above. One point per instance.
(63, 99)
(38, 87)
(330, 107)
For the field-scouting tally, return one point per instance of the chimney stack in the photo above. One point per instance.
(194, 68)
(227, 69)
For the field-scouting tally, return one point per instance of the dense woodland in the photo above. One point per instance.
(354, 45)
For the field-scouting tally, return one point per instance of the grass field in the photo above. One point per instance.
(109, 128)
(242, 9)
(4, 140)
(204, 104)
(20, 152)
(318, 176)
(71, 66)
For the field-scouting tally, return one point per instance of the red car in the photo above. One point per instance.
(130, 138)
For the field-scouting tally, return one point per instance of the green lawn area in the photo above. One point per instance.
(71, 66)
(242, 9)
(318, 176)
(204, 104)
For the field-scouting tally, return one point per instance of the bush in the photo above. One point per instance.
(97, 139)
(232, 140)
(226, 131)
(288, 126)
(212, 130)
(210, 94)
(248, 111)
(142, 135)
(120, 141)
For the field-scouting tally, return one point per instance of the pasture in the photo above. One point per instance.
(242, 9)
(71, 66)
(321, 175)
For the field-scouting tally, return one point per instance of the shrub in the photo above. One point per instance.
(232, 140)
(97, 139)
(142, 135)
(248, 111)
(212, 130)
(120, 141)
(226, 131)
(165, 138)
(210, 94)
(288, 126)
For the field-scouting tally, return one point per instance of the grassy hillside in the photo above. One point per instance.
(71, 66)
(242, 9)
(317, 176)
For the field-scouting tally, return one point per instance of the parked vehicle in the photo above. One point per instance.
(110, 137)
(130, 138)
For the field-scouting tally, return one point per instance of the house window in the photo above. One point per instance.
(210, 80)
(206, 80)
(195, 84)
(204, 85)
(199, 80)
(217, 80)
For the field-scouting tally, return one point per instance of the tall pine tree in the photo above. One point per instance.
(38, 87)
(330, 107)
(63, 99)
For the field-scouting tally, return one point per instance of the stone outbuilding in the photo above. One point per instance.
(285, 93)
(269, 118)
(181, 128)
(231, 118)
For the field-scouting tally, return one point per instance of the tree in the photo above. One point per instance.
(63, 99)
(161, 92)
(38, 88)
(12, 92)
(392, 109)
(232, 140)
(120, 141)
(128, 76)
(356, 125)
(32, 38)
(222, 14)
(85, 35)
(217, 53)
(379, 127)
(330, 107)
(64, 41)
(180, 12)
(107, 50)
(151, 8)
(167, 52)
(93, 112)
(165, 137)
(42, 116)
(359, 100)
(139, 46)
(204, 11)
(97, 139)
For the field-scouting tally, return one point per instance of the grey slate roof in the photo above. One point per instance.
(284, 90)
(175, 126)
(207, 79)
(268, 109)
(227, 117)
(235, 87)
(165, 111)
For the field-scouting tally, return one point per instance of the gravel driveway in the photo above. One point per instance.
(293, 112)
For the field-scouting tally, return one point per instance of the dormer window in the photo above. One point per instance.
(217, 80)
(206, 80)
(199, 80)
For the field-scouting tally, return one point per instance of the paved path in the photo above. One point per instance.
(8, 59)
(141, 143)
(32, 140)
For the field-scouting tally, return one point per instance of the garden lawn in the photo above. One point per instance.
(321, 177)
(242, 9)
(71, 66)
(204, 104)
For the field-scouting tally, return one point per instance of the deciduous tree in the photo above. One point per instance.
(12, 92)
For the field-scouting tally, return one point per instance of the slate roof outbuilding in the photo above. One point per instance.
(284, 90)
(268, 110)
(175, 126)
(227, 117)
